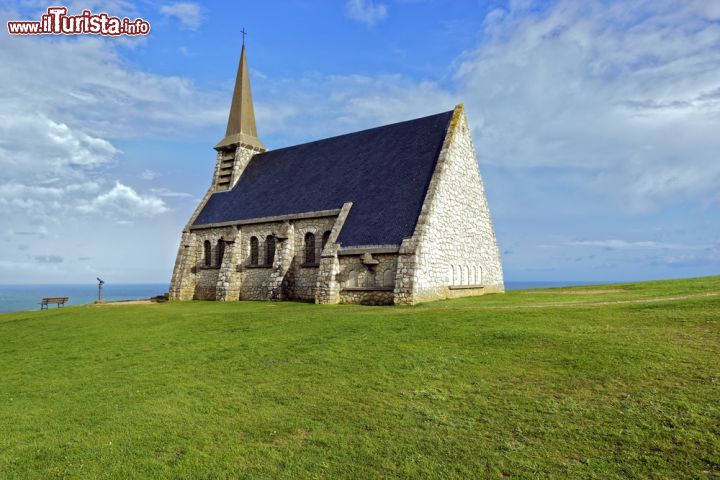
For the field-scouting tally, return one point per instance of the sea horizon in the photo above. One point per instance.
(24, 297)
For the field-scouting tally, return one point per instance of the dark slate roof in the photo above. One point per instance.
(384, 171)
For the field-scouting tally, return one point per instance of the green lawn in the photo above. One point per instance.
(542, 384)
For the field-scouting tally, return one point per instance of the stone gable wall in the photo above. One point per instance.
(454, 242)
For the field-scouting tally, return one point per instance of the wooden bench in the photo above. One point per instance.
(60, 301)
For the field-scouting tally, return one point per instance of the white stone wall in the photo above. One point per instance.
(454, 242)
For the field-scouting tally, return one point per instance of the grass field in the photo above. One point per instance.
(614, 381)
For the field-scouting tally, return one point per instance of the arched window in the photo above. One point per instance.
(220, 251)
(254, 251)
(353, 279)
(310, 248)
(465, 275)
(457, 274)
(479, 279)
(326, 237)
(207, 251)
(269, 250)
(388, 278)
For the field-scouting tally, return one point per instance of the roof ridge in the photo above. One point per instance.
(355, 132)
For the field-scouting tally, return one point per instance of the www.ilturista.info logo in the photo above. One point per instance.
(57, 22)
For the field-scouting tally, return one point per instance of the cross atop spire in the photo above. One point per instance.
(241, 121)
(243, 34)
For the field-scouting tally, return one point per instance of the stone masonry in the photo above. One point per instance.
(452, 253)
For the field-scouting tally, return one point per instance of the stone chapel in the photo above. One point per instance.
(391, 215)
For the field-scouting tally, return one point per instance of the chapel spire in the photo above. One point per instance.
(241, 121)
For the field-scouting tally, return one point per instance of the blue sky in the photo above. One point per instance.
(595, 124)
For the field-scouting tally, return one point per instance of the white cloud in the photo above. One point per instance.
(31, 201)
(633, 245)
(31, 144)
(164, 192)
(40, 232)
(708, 256)
(84, 84)
(65, 103)
(49, 259)
(189, 14)
(54, 203)
(366, 11)
(122, 199)
(329, 105)
(626, 92)
(148, 175)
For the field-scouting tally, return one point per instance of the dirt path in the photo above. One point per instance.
(600, 304)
